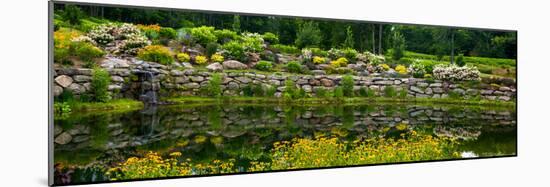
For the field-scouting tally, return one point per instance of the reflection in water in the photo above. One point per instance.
(88, 144)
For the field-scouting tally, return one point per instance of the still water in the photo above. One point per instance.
(87, 144)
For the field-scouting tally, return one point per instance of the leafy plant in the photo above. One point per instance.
(349, 41)
(226, 35)
(211, 48)
(234, 50)
(389, 91)
(216, 58)
(309, 35)
(271, 38)
(460, 60)
(100, 84)
(338, 92)
(417, 70)
(156, 53)
(340, 62)
(294, 67)
(401, 69)
(203, 35)
(263, 65)
(199, 59)
(319, 60)
(168, 33)
(72, 14)
(183, 57)
(214, 85)
(398, 45)
(347, 85)
(86, 51)
(287, 49)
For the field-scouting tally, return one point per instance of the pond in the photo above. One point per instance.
(252, 137)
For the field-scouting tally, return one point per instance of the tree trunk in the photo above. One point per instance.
(380, 39)
(452, 46)
(373, 41)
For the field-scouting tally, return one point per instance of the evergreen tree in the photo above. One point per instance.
(309, 35)
(236, 23)
(349, 43)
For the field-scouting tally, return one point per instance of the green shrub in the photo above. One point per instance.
(201, 60)
(211, 48)
(319, 52)
(363, 92)
(322, 92)
(460, 60)
(226, 35)
(100, 84)
(347, 85)
(247, 90)
(350, 54)
(183, 57)
(167, 32)
(271, 38)
(290, 89)
(72, 14)
(234, 50)
(338, 92)
(217, 58)
(403, 93)
(349, 41)
(263, 65)
(270, 91)
(308, 35)
(252, 42)
(294, 67)
(287, 49)
(156, 53)
(214, 85)
(203, 35)
(389, 91)
(417, 70)
(398, 46)
(62, 108)
(258, 90)
(86, 51)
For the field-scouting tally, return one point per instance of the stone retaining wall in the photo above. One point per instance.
(126, 83)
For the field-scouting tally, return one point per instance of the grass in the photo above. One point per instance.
(344, 101)
(118, 104)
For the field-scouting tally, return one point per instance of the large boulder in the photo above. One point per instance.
(57, 90)
(64, 80)
(215, 67)
(111, 62)
(77, 88)
(233, 64)
(63, 138)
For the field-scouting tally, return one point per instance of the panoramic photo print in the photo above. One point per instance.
(142, 93)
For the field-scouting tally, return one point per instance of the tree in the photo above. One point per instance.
(398, 45)
(349, 43)
(72, 14)
(309, 35)
(380, 39)
(236, 23)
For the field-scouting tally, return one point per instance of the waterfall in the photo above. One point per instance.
(148, 86)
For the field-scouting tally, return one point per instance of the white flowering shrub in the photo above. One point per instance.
(128, 39)
(103, 34)
(417, 70)
(133, 43)
(455, 73)
(334, 53)
(83, 38)
(375, 59)
(307, 54)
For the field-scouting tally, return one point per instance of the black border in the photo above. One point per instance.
(50, 90)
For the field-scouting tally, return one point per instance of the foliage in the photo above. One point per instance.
(307, 55)
(398, 46)
(349, 42)
(401, 69)
(338, 92)
(72, 14)
(340, 62)
(203, 35)
(216, 58)
(322, 92)
(417, 70)
(319, 52)
(100, 84)
(309, 35)
(226, 35)
(294, 67)
(200, 60)
(460, 60)
(270, 38)
(236, 23)
(263, 65)
(61, 108)
(331, 151)
(385, 67)
(252, 42)
(350, 54)
(214, 85)
(347, 85)
(389, 91)
(234, 50)
(335, 53)
(287, 49)
(133, 43)
(211, 48)
(290, 91)
(156, 53)
(374, 59)
(62, 45)
(319, 60)
(167, 32)
(456, 73)
(151, 31)
(153, 165)
(183, 57)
